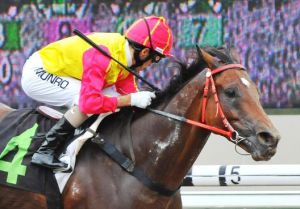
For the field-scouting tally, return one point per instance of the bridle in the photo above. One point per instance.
(231, 134)
(229, 131)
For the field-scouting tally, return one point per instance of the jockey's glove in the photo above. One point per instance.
(142, 99)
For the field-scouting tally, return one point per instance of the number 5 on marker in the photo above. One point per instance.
(234, 171)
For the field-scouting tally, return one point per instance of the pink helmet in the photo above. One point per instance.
(161, 35)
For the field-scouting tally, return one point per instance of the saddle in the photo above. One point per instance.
(113, 129)
(49, 112)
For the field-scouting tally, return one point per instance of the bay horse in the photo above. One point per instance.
(215, 93)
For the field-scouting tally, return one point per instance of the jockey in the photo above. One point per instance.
(71, 73)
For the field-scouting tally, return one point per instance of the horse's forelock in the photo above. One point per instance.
(222, 53)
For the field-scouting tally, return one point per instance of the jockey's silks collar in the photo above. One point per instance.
(128, 54)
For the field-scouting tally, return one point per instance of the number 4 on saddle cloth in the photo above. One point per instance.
(22, 132)
(20, 136)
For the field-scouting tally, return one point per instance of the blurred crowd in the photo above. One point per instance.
(266, 34)
(267, 37)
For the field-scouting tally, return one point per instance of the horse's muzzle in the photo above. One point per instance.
(265, 145)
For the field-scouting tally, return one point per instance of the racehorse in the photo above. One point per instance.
(213, 94)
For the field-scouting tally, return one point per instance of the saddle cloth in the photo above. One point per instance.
(21, 133)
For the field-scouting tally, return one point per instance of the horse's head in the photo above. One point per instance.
(239, 100)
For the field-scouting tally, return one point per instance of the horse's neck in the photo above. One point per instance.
(167, 148)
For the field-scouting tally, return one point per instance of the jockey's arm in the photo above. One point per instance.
(91, 100)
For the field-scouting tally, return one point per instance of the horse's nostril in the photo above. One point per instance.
(268, 139)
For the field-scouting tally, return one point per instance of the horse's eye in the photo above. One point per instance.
(231, 92)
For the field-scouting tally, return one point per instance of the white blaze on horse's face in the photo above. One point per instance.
(245, 82)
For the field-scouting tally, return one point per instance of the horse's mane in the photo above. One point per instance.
(186, 72)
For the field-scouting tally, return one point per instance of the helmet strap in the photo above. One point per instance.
(138, 61)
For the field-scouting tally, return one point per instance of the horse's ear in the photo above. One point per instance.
(235, 56)
(211, 61)
(199, 51)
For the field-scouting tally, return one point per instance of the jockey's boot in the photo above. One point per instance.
(45, 155)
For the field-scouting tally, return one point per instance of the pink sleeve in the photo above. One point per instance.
(127, 85)
(91, 100)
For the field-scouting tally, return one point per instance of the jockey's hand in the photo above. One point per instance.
(142, 99)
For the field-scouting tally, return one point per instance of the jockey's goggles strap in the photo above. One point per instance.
(93, 44)
(154, 53)
(149, 34)
(138, 61)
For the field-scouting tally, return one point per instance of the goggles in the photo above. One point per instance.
(155, 57)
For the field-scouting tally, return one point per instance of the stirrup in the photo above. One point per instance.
(69, 169)
(64, 158)
(46, 161)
